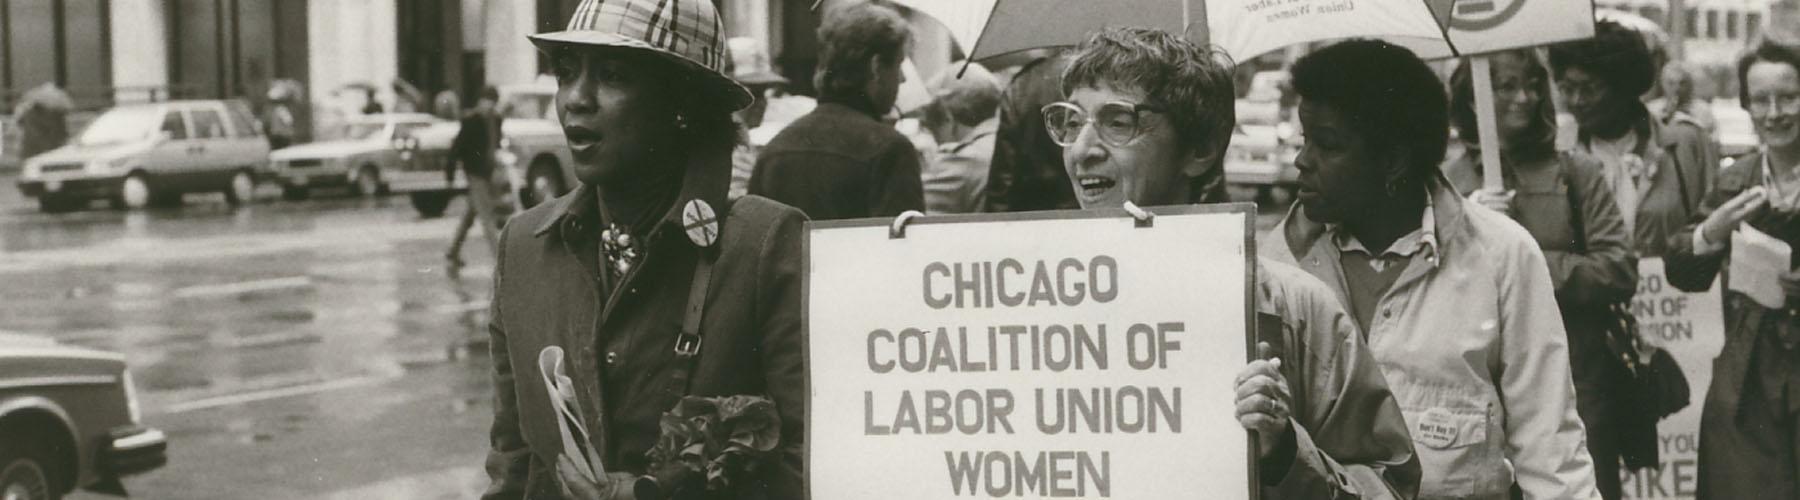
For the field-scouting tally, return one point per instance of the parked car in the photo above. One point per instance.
(1736, 133)
(69, 419)
(363, 155)
(150, 154)
(534, 154)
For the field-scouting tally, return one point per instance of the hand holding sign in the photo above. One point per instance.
(1264, 402)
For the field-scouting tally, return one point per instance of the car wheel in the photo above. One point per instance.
(135, 192)
(52, 204)
(368, 181)
(294, 193)
(23, 475)
(543, 182)
(242, 189)
(431, 204)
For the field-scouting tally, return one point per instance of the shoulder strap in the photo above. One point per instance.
(1577, 219)
(688, 340)
(1687, 206)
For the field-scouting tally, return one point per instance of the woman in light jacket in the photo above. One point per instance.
(1456, 300)
(1563, 201)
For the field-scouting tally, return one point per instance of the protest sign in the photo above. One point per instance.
(1691, 326)
(1049, 354)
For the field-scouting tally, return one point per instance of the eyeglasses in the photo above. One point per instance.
(1768, 103)
(1587, 88)
(1117, 122)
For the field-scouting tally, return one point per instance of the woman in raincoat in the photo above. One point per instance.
(650, 286)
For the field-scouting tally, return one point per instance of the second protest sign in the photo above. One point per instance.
(1055, 354)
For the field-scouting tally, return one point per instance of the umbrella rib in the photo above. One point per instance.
(1444, 27)
(984, 29)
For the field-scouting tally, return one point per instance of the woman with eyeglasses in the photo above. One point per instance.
(1750, 424)
(1147, 115)
(1563, 201)
(1657, 172)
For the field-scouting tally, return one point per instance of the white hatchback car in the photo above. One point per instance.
(150, 154)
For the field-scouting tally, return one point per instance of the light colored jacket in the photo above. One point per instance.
(1473, 348)
(1349, 438)
(956, 176)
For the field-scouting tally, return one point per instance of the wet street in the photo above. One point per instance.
(314, 349)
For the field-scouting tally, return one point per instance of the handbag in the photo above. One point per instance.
(1651, 384)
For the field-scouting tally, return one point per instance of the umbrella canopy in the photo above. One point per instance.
(1243, 28)
(48, 97)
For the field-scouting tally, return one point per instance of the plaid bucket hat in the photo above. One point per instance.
(686, 32)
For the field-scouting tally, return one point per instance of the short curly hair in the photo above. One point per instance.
(850, 35)
(1770, 52)
(1615, 55)
(1391, 98)
(1191, 81)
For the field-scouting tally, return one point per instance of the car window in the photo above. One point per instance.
(175, 125)
(241, 123)
(207, 124)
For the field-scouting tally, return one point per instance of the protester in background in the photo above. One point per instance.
(1027, 172)
(1456, 300)
(1147, 108)
(1750, 425)
(473, 148)
(841, 161)
(749, 65)
(1566, 205)
(609, 272)
(962, 119)
(42, 119)
(1677, 84)
(1657, 173)
(278, 118)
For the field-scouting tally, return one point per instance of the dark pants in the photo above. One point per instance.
(481, 209)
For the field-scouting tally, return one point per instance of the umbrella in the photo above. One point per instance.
(1243, 28)
(47, 96)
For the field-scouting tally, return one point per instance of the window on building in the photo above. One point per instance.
(174, 125)
(1712, 25)
(1752, 25)
(1693, 23)
(208, 124)
(1731, 25)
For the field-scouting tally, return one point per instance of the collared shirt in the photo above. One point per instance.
(1370, 274)
(1471, 342)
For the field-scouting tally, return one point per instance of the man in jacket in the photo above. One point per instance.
(477, 138)
(650, 285)
(1142, 122)
(841, 161)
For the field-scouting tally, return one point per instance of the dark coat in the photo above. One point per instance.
(1747, 444)
(549, 290)
(1027, 171)
(838, 162)
(477, 136)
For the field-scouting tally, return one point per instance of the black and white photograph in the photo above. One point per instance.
(899, 249)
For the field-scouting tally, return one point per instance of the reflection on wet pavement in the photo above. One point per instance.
(317, 350)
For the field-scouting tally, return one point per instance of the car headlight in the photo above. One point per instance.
(131, 399)
(103, 165)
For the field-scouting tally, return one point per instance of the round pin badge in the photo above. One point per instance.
(701, 223)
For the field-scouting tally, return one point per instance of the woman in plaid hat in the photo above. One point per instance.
(652, 284)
